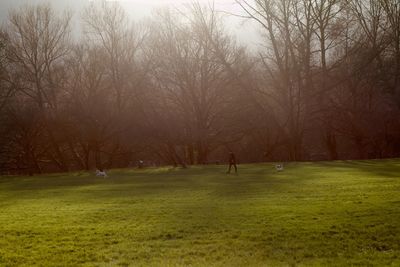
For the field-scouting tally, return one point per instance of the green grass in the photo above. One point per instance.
(330, 213)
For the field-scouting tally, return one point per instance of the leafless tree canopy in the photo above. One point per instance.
(177, 89)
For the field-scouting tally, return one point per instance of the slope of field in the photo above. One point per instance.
(330, 213)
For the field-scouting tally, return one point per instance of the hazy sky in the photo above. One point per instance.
(138, 9)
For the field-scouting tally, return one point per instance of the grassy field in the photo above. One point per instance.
(332, 213)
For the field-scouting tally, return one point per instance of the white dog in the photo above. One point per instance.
(279, 167)
(101, 173)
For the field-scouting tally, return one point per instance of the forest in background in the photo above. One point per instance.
(177, 88)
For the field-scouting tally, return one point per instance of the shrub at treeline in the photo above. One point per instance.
(177, 89)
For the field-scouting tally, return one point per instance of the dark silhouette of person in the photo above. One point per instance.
(232, 162)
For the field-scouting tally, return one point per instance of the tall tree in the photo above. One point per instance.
(109, 29)
(37, 42)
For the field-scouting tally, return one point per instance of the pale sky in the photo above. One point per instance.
(138, 9)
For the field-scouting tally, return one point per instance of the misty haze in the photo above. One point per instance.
(200, 133)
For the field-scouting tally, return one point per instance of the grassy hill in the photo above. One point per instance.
(329, 213)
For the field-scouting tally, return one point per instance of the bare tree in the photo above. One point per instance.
(36, 44)
(6, 90)
(108, 28)
(107, 25)
(191, 80)
(282, 65)
(392, 13)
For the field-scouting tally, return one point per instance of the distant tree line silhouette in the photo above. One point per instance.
(177, 89)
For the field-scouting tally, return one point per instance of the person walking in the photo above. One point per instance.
(232, 162)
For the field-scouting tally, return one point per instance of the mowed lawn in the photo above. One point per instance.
(329, 213)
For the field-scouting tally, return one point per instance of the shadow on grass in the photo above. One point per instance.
(203, 209)
(252, 179)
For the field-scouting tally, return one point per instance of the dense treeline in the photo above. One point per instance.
(178, 89)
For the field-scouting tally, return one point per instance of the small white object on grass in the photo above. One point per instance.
(279, 167)
(101, 173)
